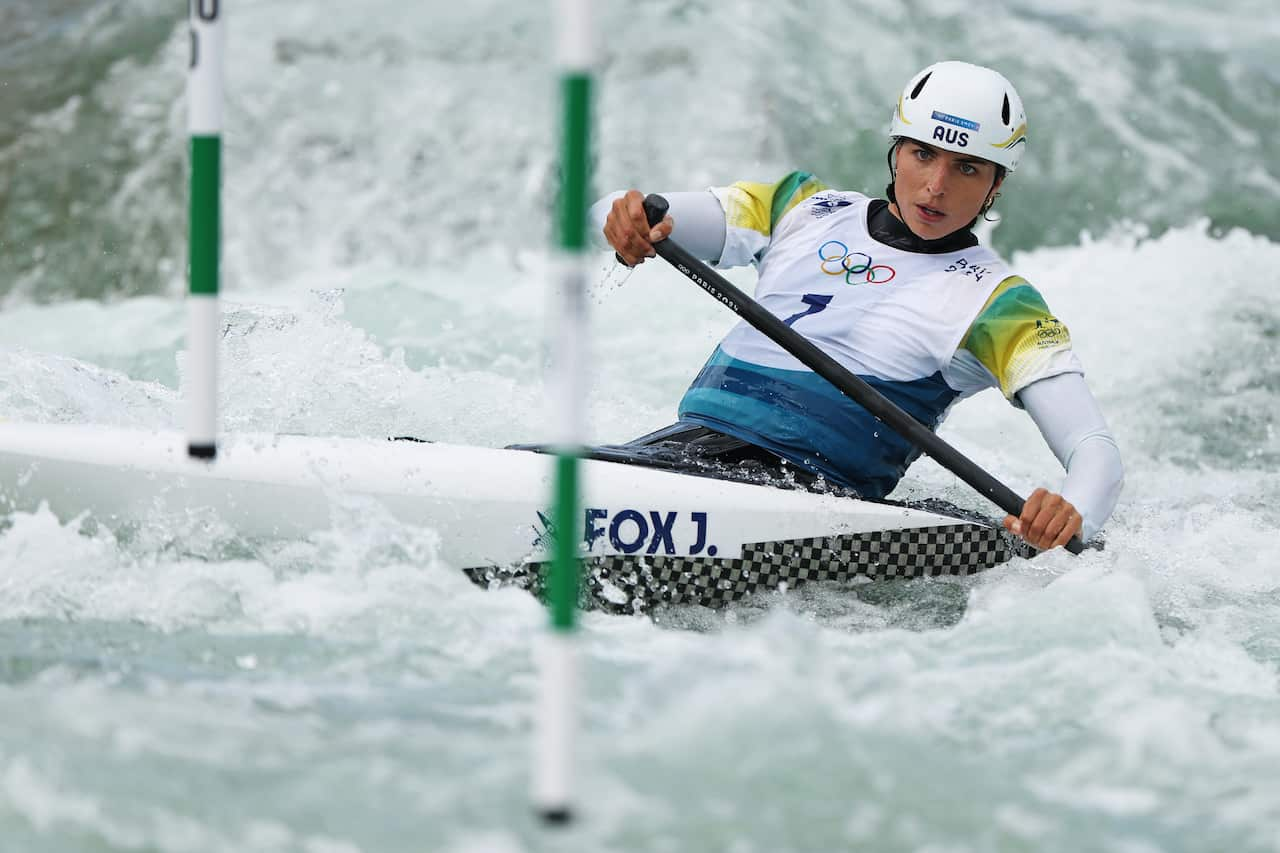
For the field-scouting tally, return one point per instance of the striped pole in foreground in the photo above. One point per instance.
(204, 122)
(557, 681)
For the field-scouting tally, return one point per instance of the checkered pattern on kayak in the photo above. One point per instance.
(631, 583)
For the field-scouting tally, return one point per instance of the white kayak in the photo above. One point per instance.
(651, 536)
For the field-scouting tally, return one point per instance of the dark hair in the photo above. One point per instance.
(1001, 171)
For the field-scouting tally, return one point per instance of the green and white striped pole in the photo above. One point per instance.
(204, 123)
(558, 675)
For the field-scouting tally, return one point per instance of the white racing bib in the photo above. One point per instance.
(877, 310)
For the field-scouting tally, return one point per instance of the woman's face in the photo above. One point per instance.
(939, 192)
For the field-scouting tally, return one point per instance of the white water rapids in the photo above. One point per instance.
(181, 689)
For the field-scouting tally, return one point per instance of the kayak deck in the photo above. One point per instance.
(635, 583)
(653, 534)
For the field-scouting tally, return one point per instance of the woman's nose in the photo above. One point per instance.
(936, 178)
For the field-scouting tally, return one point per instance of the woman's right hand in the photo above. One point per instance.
(628, 232)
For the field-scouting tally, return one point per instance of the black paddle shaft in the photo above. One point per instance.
(655, 208)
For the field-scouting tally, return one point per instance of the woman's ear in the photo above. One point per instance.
(993, 194)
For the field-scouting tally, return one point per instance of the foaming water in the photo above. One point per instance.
(1128, 696)
(420, 134)
(173, 686)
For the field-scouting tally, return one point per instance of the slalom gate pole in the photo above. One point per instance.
(558, 667)
(204, 123)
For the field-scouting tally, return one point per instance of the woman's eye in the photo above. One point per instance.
(968, 169)
(922, 154)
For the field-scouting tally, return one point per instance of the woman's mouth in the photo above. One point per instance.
(930, 214)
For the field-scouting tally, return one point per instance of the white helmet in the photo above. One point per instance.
(963, 108)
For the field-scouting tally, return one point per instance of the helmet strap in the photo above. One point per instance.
(893, 169)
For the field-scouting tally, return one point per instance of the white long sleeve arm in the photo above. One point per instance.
(698, 219)
(1071, 422)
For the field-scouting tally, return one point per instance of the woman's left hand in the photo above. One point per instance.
(1048, 520)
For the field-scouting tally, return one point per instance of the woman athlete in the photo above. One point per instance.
(898, 291)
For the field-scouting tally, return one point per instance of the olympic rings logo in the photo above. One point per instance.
(856, 267)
